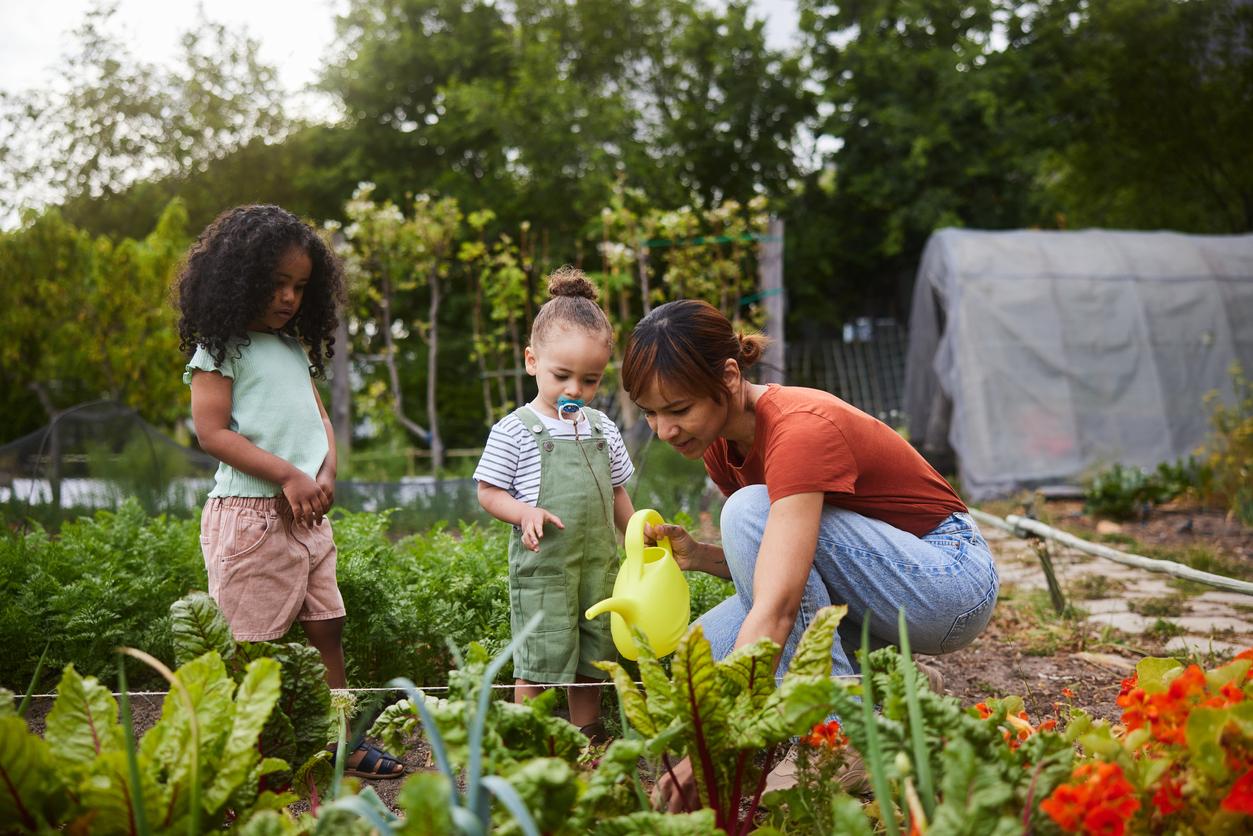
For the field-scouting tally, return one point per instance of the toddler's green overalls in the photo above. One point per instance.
(575, 567)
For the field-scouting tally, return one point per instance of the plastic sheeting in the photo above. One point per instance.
(1040, 357)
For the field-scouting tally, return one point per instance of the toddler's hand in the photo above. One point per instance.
(532, 525)
(308, 502)
(682, 545)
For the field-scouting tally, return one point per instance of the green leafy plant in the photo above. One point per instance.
(1181, 761)
(196, 769)
(723, 714)
(1229, 449)
(300, 727)
(1122, 492)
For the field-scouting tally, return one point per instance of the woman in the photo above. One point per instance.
(825, 503)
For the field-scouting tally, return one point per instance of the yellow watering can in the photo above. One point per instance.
(650, 593)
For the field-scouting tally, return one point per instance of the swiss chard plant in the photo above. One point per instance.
(728, 717)
(299, 729)
(196, 769)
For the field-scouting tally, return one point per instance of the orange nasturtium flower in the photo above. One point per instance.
(1165, 713)
(1098, 800)
(1068, 694)
(828, 735)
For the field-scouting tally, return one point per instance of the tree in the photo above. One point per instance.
(85, 318)
(111, 120)
(931, 129)
(391, 257)
(1158, 106)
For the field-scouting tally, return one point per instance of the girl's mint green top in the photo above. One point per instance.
(272, 405)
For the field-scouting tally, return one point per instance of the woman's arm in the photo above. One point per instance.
(783, 564)
(211, 414)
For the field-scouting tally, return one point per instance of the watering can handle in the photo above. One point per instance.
(634, 538)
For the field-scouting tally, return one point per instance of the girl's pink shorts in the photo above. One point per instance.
(265, 572)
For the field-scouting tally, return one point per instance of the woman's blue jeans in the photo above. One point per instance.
(945, 580)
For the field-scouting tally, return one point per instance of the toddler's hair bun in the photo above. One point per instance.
(571, 281)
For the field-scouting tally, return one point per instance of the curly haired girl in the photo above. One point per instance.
(257, 297)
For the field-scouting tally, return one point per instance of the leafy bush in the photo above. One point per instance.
(1229, 449)
(105, 581)
(1122, 493)
(109, 580)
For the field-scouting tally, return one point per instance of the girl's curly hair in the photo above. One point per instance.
(228, 278)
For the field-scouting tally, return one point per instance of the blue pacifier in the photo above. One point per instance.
(568, 408)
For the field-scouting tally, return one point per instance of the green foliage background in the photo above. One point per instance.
(570, 121)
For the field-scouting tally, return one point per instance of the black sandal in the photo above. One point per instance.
(375, 763)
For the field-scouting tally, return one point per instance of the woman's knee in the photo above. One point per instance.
(743, 521)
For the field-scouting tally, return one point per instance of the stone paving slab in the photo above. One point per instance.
(1229, 614)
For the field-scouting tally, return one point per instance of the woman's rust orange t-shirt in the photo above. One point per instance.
(807, 440)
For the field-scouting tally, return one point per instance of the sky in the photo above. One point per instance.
(294, 34)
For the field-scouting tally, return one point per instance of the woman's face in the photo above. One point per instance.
(686, 422)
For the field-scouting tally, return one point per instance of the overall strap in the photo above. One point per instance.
(532, 422)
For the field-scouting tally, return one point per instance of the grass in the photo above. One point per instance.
(1094, 586)
(1165, 606)
(1038, 628)
(1164, 630)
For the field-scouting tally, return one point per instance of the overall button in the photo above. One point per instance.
(548, 446)
(536, 428)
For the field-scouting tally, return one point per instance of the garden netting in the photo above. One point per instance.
(97, 454)
(1037, 357)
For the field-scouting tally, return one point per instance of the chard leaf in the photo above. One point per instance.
(661, 698)
(83, 722)
(394, 725)
(531, 731)
(703, 710)
(198, 627)
(699, 823)
(8, 708)
(104, 797)
(612, 786)
(813, 652)
(28, 779)
(305, 698)
(239, 757)
(748, 674)
(167, 745)
(269, 823)
(633, 703)
(548, 791)
(795, 707)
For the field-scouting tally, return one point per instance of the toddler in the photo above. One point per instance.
(559, 482)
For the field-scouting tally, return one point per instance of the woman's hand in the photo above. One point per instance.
(677, 794)
(308, 502)
(532, 525)
(683, 546)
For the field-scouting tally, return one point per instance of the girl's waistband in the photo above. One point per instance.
(256, 503)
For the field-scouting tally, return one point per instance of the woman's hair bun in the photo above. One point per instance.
(751, 348)
(571, 281)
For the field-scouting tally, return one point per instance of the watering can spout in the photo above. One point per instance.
(625, 607)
